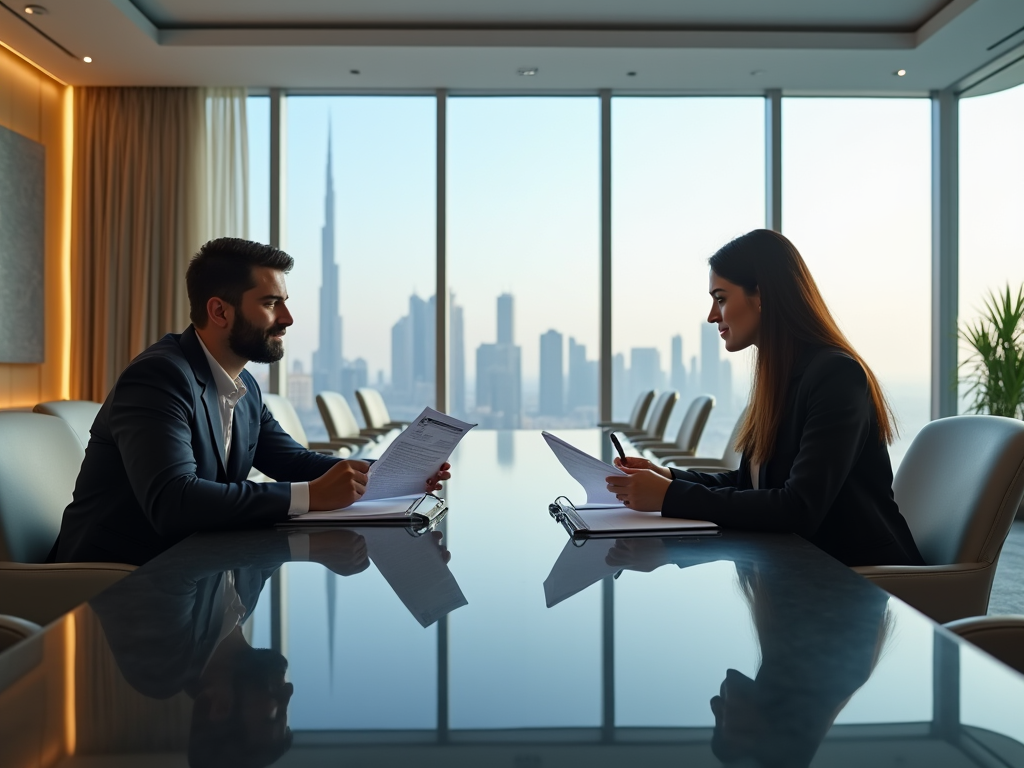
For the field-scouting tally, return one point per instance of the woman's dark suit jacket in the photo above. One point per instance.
(829, 478)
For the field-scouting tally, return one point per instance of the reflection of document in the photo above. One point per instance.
(586, 470)
(415, 455)
(416, 570)
(577, 568)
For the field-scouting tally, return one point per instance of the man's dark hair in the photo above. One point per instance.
(223, 268)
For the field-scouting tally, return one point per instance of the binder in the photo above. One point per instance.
(420, 515)
(620, 522)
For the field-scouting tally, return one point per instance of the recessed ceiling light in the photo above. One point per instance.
(35, 10)
(900, 72)
(631, 74)
(87, 59)
(353, 71)
(756, 72)
(527, 71)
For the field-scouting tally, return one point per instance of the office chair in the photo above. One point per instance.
(657, 420)
(375, 411)
(79, 414)
(636, 418)
(689, 433)
(958, 487)
(13, 630)
(729, 460)
(284, 413)
(342, 427)
(40, 457)
(999, 636)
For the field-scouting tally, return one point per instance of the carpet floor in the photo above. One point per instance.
(1008, 588)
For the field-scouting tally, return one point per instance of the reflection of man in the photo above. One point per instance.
(171, 631)
(179, 432)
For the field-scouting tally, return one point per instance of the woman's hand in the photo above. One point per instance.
(635, 462)
(641, 489)
(434, 483)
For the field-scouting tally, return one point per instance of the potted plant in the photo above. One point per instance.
(995, 366)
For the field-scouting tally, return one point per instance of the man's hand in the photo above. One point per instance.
(341, 485)
(434, 483)
(641, 489)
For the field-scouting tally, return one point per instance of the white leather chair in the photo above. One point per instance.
(285, 414)
(342, 427)
(375, 411)
(958, 487)
(79, 414)
(40, 457)
(13, 630)
(637, 418)
(999, 636)
(729, 460)
(687, 437)
(657, 421)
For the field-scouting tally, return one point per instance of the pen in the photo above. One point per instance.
(618, 446)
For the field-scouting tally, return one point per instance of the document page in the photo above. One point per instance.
(586, 470)
(359, 511)
(415, 455)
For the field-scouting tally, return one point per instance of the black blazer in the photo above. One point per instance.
(154, 469)
(829, 479)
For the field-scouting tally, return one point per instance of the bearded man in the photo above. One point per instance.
(185, 423)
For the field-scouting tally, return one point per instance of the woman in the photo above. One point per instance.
(815, 460)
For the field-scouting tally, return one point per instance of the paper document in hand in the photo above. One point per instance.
(415, 455)
(586, 470)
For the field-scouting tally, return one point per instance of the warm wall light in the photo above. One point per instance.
(35, 10)
(900, 72)
(87, 59)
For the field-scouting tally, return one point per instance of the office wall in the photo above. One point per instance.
(38, 107)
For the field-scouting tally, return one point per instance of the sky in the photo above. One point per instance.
(687, 175)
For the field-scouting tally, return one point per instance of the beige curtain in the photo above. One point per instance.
(157, 172)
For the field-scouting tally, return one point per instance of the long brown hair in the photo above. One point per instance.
(793, 316)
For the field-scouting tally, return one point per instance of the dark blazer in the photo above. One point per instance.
(828, 480)
(154, 469)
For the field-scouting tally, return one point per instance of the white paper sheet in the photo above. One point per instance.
(586, 470)
(415, 455)
(360, 510)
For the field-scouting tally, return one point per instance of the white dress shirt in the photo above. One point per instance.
(229, 392)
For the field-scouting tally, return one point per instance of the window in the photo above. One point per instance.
(524, 260)
(687, 176)
(361, 223)
(856, 184)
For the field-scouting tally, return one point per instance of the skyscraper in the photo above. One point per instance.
(457, 361)
(709, 363)
(505, 319)
(582, 379)
(551, 375)
(725, 387)
(644, 370)
(327, 359)
(678, 371)
(413, 359)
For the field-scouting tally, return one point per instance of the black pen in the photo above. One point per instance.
(618, 446)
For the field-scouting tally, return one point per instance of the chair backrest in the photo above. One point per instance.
(694, 422)
(337, 415)
(730, 456)
(40, 457)
(643, 405)
(661, 411)
(959, 486)
(375, 410)
(13, 630)
(79, 414)
(286, 415)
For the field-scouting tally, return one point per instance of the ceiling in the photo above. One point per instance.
(695, 46)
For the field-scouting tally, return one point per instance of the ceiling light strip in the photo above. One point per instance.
(25, 58)
(1000, 42)
(22, 19)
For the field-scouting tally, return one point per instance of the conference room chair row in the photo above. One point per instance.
(958, 486)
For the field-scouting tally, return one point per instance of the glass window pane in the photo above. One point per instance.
(524, 259)
(362, 231)
(687, 177)
(257, 121)
(856, 189)
(991, 202)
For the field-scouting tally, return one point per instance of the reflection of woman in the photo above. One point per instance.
(817, 649)
(814, 439)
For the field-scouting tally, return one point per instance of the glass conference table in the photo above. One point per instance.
(522, 650)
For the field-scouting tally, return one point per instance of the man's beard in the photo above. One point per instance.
(255, 344)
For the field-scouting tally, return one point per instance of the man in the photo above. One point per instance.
(185, 423)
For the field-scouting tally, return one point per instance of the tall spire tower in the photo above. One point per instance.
(327, 360)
